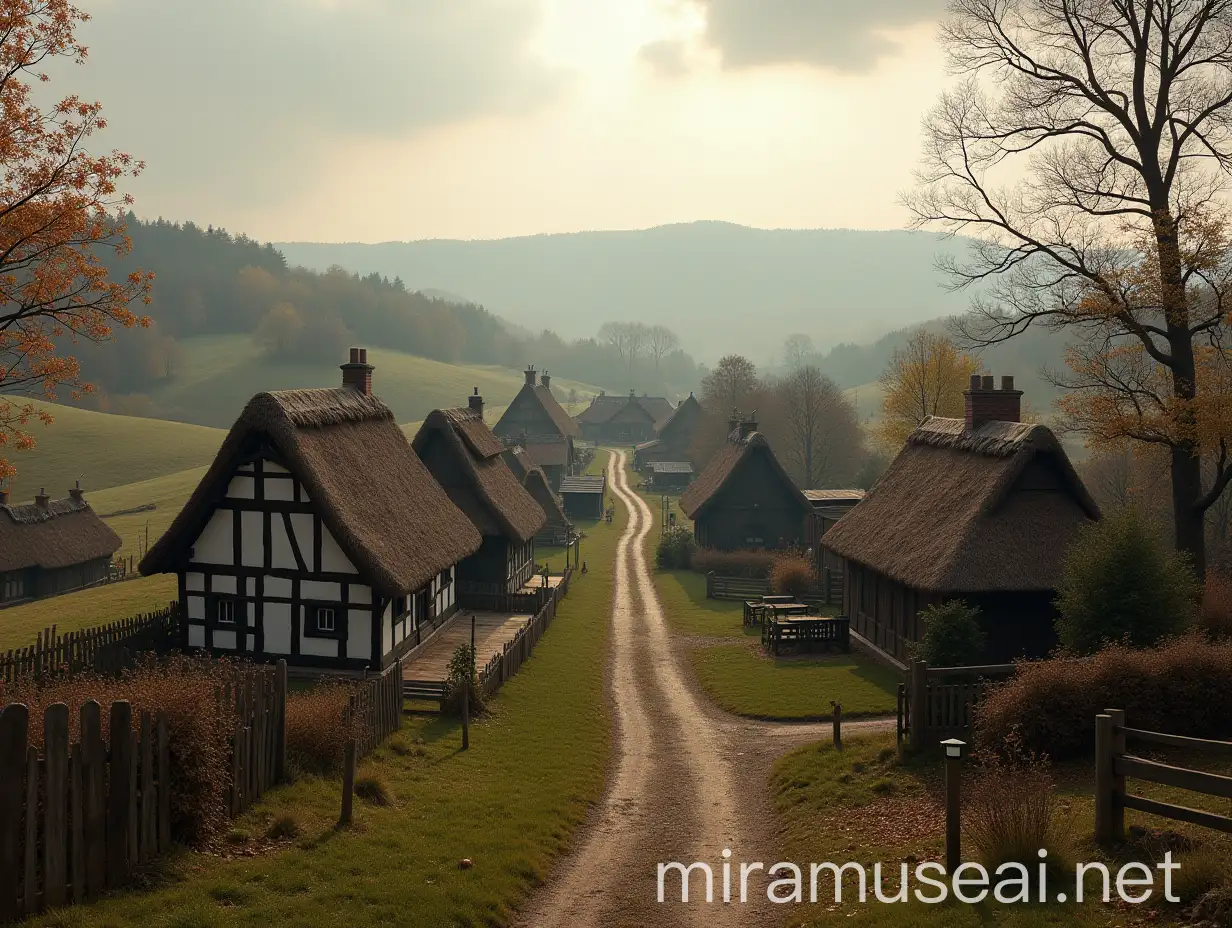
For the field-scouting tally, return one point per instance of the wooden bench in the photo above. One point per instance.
(805, 633)
(740, 588)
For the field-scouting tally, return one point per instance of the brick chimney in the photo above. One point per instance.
(4, 496)
(984, 403)
(357, 372)
(530, 375)
(75, 492)
(733, 421)
(42, 499)
(546, 379)
(475, 403)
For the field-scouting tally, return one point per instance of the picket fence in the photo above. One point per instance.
(375, 710)
(104, 649)
(504, 665)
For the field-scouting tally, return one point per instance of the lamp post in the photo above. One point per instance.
(953, 803)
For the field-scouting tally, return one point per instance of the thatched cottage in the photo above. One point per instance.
(623, 420)
(536, 422)
(556, 530)
(467, 460)
(744, 498)
(980, 508)
(316, 535)
(52, 546)
(673, 439)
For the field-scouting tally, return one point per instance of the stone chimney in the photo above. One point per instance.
(749, 425)
(4, 496)
(984, 403)
(42, 499)
(733, 421)
(546, 380)
(76, 494)
(357, 372)
(530, 375)
(475, 403)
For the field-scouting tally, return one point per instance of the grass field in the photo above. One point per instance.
(20, 625)
(512, 804)
(106, 451)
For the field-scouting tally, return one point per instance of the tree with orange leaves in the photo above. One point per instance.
(59, 206)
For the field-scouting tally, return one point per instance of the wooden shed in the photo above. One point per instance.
(673, 439)
(670, 476)
(584, 497)
(981, 508)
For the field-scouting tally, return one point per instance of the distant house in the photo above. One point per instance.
(673, 439)
(828, 507)
(556, 530)
(744, 498)
(584, 497)
(535, 421)
(316, 535)
(980, 508)
(52, 546)
(670, 476)
(623, 420)
(467, 459)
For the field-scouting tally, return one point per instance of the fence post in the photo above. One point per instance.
(1117, 808)
(1104, 829)
(117, 792)
(280, 722)
(348, 782)
(14, 730)
(838, 725)
(710, 584)
(55, 805)
(466, 714)
(918, 683)
(953, 804)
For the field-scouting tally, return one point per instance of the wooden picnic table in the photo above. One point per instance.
(755, 608)
(804, 632)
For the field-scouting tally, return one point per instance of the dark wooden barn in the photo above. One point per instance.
(584, 497)
(316, 535)
(557, 529)
(669, 476)
(623, 420)
(538, 424)
(52, 546)
(744, 498)
(467, 459)
(673, 439)
(981, 509)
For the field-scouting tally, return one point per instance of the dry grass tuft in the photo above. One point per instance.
(372, 788)
(791, 575)
(316, 737)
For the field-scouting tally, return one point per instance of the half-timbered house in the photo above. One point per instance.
(52, 546)
(316, 535)
(537, 423)
(981, 509)
(744, 498)
(673, 439)
(467, 460)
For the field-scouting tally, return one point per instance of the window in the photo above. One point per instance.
(226, 612)
(447, 576)
(14, 587)
(399, 606)
(326, 621)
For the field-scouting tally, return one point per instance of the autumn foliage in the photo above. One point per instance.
(57, 202)
(926, 377)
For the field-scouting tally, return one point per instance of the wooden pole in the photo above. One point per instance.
(466, 714)
(348, 782)
(838, 726)
(1117, 798)
(1104, 828)
(953, 812)
(919, 704)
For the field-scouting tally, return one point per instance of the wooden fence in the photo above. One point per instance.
(935, 703)
(256, 699)
(514, 603)
(375, 709)
(827, 590)
(103, 649)
(1113, 764)
(516, 651)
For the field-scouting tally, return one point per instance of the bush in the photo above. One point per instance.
(1123, 584)
(1215, 615)
(462, 666)
(1183, 687)
(316, 740)
(1011, 811)
(792, 575)
(749, 563)
(373, 789)
(676, 547)
(952, 635)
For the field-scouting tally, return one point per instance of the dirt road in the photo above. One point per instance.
(687, 781)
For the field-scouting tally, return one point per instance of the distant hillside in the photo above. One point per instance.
(722, 287)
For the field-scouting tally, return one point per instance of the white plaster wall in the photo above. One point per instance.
(280, 489)
(301, 524)
(196, 636)
(224, 639)
(387, 642)
(196, 608)
(271, 467)
(359, 634)
(242, 487)
(253, 553)
(319, 589)
(278, 586)
(222, 584)
(194, 581)
(277, 622)
(319, 647)
(280, 546)
(332, 558)
(252, 643)
(360, 594)
(214, 545)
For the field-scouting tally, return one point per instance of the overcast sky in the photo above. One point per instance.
(375, 120)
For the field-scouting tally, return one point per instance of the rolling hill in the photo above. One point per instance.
(717, 284)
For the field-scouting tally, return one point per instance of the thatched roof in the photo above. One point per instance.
(376, 497)
(537, 485)
(602, 408)
(945, 516)
(548, 453)
(725, 463)
(536, 394)
(61, 533)
(467, 460)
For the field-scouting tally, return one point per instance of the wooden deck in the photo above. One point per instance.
(492, 630)
(535, 583)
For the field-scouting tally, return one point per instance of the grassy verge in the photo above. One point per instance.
(511, 804)
(862, 805)
(71, 612)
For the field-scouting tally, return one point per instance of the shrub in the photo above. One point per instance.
(952, 635)
(316, 740)
(285, 826)
(373, 789)
(1011, 809)
(754, 564)
(792, 575)
(461, 667)
(1215, 615)
(1182, 687)
(1123, 584)
(676, 547)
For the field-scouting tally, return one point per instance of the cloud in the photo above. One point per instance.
(246, 99)
(841, 35)
(666, 57)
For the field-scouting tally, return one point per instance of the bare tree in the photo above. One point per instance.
(1085, 151)
(798, 350)
(661, 341)
(629, 339)
(815, 429)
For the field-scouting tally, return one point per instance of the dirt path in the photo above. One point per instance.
(688, 781)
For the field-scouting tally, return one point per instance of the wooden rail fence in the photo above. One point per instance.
(1113, 764)
(828, 591)
(935, 703)
(103, 649)
(516, 651)
(375, 710)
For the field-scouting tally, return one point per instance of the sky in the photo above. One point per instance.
(390, 120)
